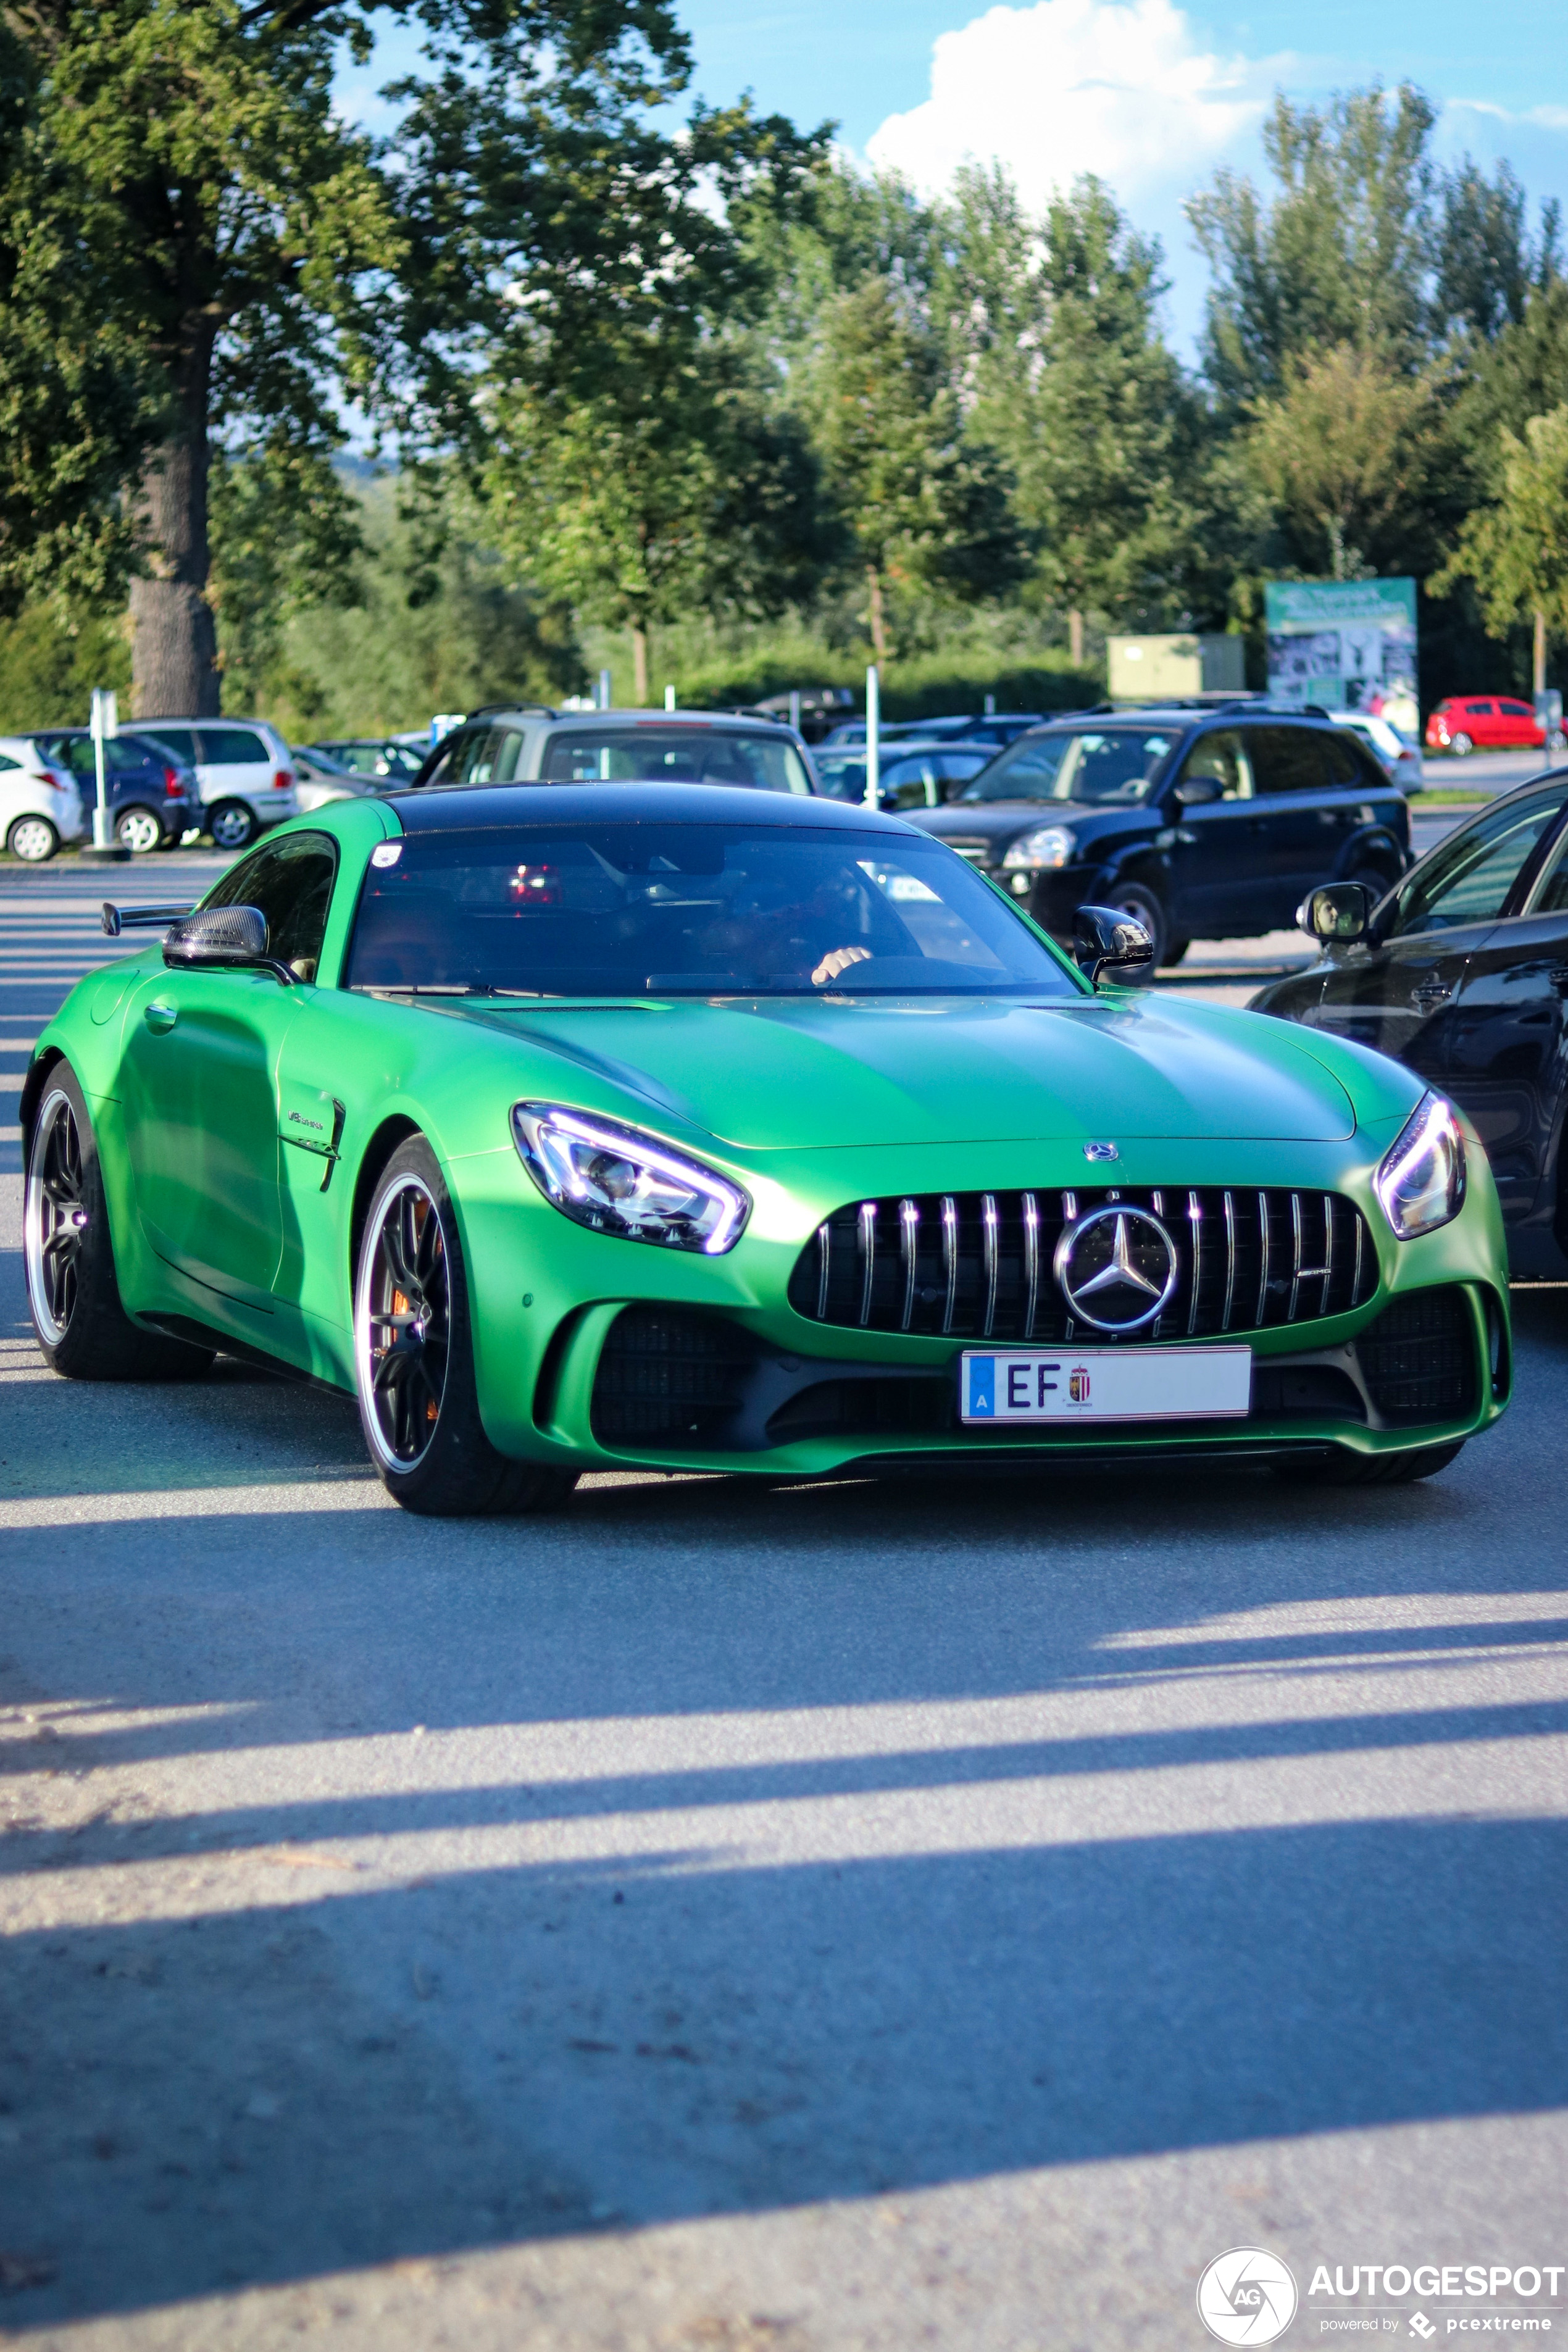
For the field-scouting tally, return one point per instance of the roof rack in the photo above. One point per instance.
(494, 710)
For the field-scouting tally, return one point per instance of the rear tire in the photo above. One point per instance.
(413, 1358)
(1372, 879)
(139, 831)
(73, 1293)
(232, 825)
(1461, 746)
(33, 840)
(1376, 1470)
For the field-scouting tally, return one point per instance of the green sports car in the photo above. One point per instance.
(579, 1127)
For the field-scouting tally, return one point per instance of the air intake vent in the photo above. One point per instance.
(1418, 1359)
(668, 1379)
(978, 1266)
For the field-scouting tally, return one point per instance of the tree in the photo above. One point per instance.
(1516, 551)
(924, 507)
(1341, 255)
(1344, 454)
(649, 481)
(1092, 412)
(254, 263)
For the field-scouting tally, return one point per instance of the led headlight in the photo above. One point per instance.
(618, 1181)
(1421, 1178)
(1048, 844)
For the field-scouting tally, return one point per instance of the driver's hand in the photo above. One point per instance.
(839, 961)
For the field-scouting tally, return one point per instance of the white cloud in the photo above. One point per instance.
(1073, 86)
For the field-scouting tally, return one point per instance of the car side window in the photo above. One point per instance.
(505, 753)
(232, 747)
(75, 753)
(1549, 895)
(1286, 760)
(180, 740)
(1467, 877)
(1222, 755)
(291, 881)
(1345, 769)
(457, 748)
(1516, 709)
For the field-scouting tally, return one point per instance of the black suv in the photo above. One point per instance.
(1210, 822)
(153, 797)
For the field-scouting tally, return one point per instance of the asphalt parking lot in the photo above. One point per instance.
(723, 1917)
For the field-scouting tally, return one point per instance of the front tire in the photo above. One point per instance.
(232, 825)
(73, 1292)
(33, 840)
(139, 831)
(413, 1358)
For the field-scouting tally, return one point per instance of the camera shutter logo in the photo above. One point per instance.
(1246, 2296)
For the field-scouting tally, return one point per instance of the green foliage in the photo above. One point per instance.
(1346, 454)
(1516, 551)
(52, 654)
(419, 633)
(925, 506)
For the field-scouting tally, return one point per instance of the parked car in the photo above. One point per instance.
(243, 769)
(996, 729)
(318, 779)
(40, 805)
(1462, 973)
(1207, 824)
(912, 775)
(530, 1180)
(522, 744)
(1484, 722)
(375, 755)
(154, 800)
(1399, 758)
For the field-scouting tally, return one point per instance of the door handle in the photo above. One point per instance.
(161, 1018)
(1431, 992)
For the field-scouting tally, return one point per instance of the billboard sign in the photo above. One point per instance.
(1347, 644)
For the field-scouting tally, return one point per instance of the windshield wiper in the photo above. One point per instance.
(448, 988)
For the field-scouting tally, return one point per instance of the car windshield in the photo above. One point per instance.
(689, 910)
(1078, 763)
(665, 752)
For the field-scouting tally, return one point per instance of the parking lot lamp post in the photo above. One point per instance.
(873, 737)
(105, 726)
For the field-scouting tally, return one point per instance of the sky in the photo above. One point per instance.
(1153, 96)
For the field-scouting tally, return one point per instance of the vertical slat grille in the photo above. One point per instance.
(981, 1264)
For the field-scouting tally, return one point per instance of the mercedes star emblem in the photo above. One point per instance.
(1117, 1268)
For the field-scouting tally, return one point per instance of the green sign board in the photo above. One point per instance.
(1347, 644)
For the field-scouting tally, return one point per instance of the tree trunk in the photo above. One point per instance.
(640, 666)
(1075, 637)
(878, 616)
(1540, 651)
(174, 650)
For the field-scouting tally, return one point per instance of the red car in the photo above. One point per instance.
(1484, 722)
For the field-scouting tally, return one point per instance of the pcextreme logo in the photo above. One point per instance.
(1246, 2296)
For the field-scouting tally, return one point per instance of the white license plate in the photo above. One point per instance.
(1105, 1384)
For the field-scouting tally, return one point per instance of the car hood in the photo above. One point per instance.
(803, 1074)
(1000, 820)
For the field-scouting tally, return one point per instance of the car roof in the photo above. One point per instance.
(445, 808)
(730, 718)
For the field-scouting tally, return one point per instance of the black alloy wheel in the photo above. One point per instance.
(414, 1357)
(408, 1320)
(56, 1219)
(73, 1291)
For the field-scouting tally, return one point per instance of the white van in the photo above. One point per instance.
(245, 769)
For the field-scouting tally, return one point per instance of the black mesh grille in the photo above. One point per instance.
(1418, 1359)
(666, 1378)
(979, 1265)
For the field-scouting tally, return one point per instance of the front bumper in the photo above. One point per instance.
(589, 1350)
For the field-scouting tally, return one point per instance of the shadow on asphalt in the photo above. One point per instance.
(266, 2094)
